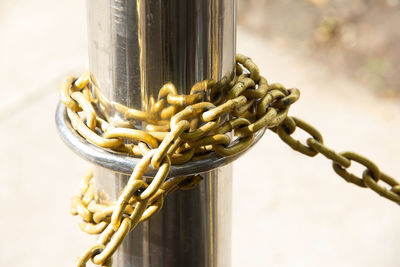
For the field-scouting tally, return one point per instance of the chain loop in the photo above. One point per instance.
(296, 144)
(349, 177)
(88, 254)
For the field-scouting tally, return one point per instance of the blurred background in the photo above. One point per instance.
(288, 210)
(358, 37)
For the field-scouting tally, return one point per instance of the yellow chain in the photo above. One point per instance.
(173, 135)
(340, 161)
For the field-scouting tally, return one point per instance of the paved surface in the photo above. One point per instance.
(289, 210)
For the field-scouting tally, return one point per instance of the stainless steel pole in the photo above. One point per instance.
(134, 48)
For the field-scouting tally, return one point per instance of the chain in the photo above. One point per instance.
(179, 128)
(340, 161)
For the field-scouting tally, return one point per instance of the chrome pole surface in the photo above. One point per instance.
(193, 227)
(134, 48)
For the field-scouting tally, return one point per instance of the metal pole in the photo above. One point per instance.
(134, 48)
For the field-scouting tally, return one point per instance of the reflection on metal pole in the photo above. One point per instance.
(134, 48)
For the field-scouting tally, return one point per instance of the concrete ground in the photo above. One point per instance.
(289, 210)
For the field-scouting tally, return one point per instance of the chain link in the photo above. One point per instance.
(180, 128)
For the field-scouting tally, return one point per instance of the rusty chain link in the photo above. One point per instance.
(181, 128)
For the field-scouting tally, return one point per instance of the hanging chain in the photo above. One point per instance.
(340, 161)
(173, 135)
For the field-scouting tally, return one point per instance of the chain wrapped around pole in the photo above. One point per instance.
(182, 128)
(179, 128)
